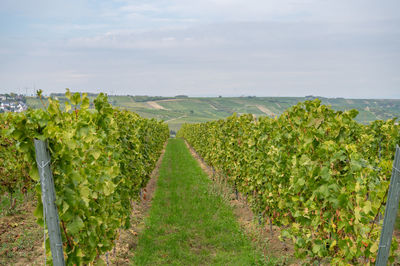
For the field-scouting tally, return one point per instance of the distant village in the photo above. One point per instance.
(12, 103)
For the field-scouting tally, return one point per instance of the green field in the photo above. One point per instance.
(177, 111)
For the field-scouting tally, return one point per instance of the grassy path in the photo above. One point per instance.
(188, 225)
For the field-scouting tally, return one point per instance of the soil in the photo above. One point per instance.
(264, 239)
(21, 238)
(155, 105)
(265, 110)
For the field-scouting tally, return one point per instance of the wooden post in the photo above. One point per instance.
(389, 219)
(43, 160)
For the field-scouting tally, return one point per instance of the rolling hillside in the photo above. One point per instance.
(178, 110)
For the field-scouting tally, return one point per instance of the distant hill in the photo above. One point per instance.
(178, 110)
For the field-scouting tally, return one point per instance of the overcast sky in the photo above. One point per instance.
(332, 48)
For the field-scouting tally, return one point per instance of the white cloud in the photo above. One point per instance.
(292, 47)
(138, 8)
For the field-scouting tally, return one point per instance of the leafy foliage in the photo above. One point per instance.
(100, 160)
(314, 171)
(13, 169)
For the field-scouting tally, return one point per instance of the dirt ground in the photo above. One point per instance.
(155, 105)
(265, 110)
(21, 238)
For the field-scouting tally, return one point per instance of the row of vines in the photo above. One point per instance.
(14, 170)
(101, 158)
(315, 172)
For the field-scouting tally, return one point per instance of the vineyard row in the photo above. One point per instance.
(100, 159)
(315, 172)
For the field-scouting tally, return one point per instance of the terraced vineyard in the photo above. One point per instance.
(178, 111)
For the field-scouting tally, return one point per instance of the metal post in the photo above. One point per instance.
(49, 197)
(389, 219)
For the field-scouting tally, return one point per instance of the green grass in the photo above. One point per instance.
(187, 223)
(20, 235)
(5, 203)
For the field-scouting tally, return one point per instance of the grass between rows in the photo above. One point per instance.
(189, 225)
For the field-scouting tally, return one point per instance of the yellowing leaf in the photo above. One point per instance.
(333, 244)
(68, 94)
(76, 98)
(96, 154)
(357, 215)
(85, 192)
(65, 207)
(108, 188)
(357, 188)
(85, 103)
(34, 174)
(374, 248)
(67, 106)
(367, 207)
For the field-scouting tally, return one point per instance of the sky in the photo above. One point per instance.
(330, 48)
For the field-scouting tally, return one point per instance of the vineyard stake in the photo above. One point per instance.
(389, 219)
(43, 160)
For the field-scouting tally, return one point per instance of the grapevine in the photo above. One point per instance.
(101, 158)
(13, 169)
(315, 172)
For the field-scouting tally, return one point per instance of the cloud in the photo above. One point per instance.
(293, 47)
(140, 8)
